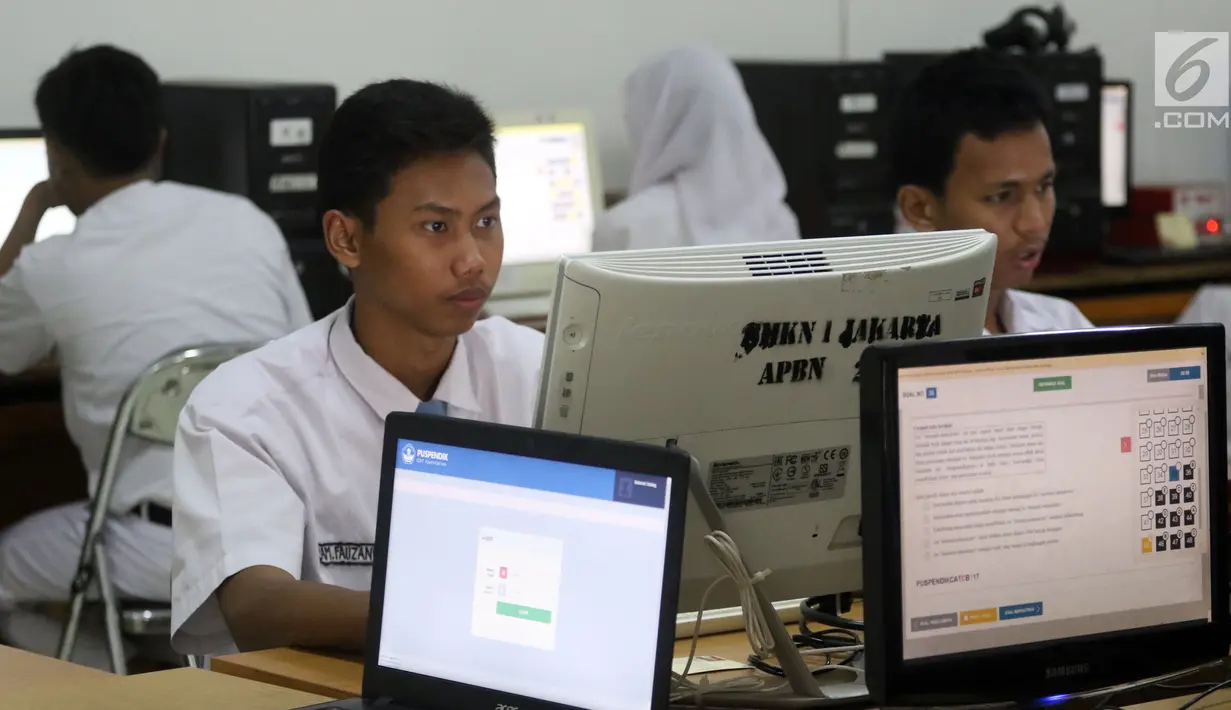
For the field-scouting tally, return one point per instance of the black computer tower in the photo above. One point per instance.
(826, 124)
(262, 141)
(257, 140)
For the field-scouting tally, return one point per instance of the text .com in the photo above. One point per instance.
(1194, 119)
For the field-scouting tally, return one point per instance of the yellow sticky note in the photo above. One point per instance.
(1175, 231)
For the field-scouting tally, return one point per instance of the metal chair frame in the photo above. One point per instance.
(150, 411)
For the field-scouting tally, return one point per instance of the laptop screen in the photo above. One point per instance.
(523, 575)
(1053, 498)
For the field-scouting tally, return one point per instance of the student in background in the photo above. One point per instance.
(150, 268)
(703, 173)
(970, 150)
(278, 456)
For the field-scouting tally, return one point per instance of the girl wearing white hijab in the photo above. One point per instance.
(703, 173)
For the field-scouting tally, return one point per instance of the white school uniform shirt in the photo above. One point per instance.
(703, 173)
(1027, 312)
(278, 458)
(149, 269)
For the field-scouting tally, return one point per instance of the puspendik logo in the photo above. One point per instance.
(412, 454)
(1191, 70)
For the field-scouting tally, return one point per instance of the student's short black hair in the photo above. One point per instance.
(104, 105)
(972, 91)
(385, 127)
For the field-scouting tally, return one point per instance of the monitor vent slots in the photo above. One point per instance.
(841, 255)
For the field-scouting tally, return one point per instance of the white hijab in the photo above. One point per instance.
(693, 128)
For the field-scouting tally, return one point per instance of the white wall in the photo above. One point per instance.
(534, 54)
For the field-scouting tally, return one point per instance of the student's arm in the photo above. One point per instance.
(267, 608)
(239, 535)
(37, 202)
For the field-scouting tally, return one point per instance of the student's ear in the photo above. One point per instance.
(342, 237)
(918, 207)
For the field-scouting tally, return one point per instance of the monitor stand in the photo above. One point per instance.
(842, 686)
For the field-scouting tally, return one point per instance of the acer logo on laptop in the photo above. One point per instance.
(502, 706)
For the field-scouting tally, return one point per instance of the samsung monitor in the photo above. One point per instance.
(1115, 141)
(746, 356)
(1043, 513)
(23, 164)
(548, 179)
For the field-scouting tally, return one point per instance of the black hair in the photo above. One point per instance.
(385, 127)
(104, 105)
(974, 91)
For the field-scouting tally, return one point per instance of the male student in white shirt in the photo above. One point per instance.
(150, 268)
(970, 150)
(278, 457)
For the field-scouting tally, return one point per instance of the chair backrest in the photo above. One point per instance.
(157, 397)
(151, 409)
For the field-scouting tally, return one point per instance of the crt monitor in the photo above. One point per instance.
(746, 356)
(550, 190)
(1115, 142)
(1044, 513)
(23, 164)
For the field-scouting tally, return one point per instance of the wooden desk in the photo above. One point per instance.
(342, 676)
(1133, 295)
(333, 676)
(36, 682)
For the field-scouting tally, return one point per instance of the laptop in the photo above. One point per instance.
(519, 569)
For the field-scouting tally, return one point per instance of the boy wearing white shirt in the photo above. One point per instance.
(150, 268)
(971, 151)
(278, 455)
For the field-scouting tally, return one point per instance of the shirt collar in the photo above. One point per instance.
(117, 201)
(382, 391)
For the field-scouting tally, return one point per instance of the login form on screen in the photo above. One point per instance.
(505, 572)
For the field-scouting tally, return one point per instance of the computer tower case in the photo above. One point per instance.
(325, 284)
(259, 140)
(826, 124)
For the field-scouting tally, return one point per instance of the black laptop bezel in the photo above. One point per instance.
(1034, 671)
(432, 693)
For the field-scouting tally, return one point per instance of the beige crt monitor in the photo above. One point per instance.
(550, 187)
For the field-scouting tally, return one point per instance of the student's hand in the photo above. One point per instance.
(43, 197)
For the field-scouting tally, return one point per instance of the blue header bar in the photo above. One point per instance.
(533, 474)
(1174, 374)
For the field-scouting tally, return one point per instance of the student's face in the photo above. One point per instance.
(64, 174)
(435, 249)
(1004, 186)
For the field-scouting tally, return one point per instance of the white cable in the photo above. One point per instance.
(756, 626)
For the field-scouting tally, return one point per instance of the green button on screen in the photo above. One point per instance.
(528, 613)
(1053, 384)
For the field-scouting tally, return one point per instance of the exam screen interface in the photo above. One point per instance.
(546, 196)
(505, 572)
(1048, 499)
(23, 164)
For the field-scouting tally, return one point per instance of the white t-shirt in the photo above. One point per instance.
(1027, 312)
(149, 269)
(278, 458)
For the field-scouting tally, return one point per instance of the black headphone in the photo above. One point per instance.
(1031, 30)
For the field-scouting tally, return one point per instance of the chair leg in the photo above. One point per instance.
(111, 614)
(191, 661)
(81, 586)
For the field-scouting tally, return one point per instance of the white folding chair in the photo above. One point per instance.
(149, 410)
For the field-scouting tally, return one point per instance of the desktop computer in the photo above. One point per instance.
(1116, 147)
(261, 141)
(1043, 514)
(747, 357)
(23, 164)
(550, 187)
(827, 125)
